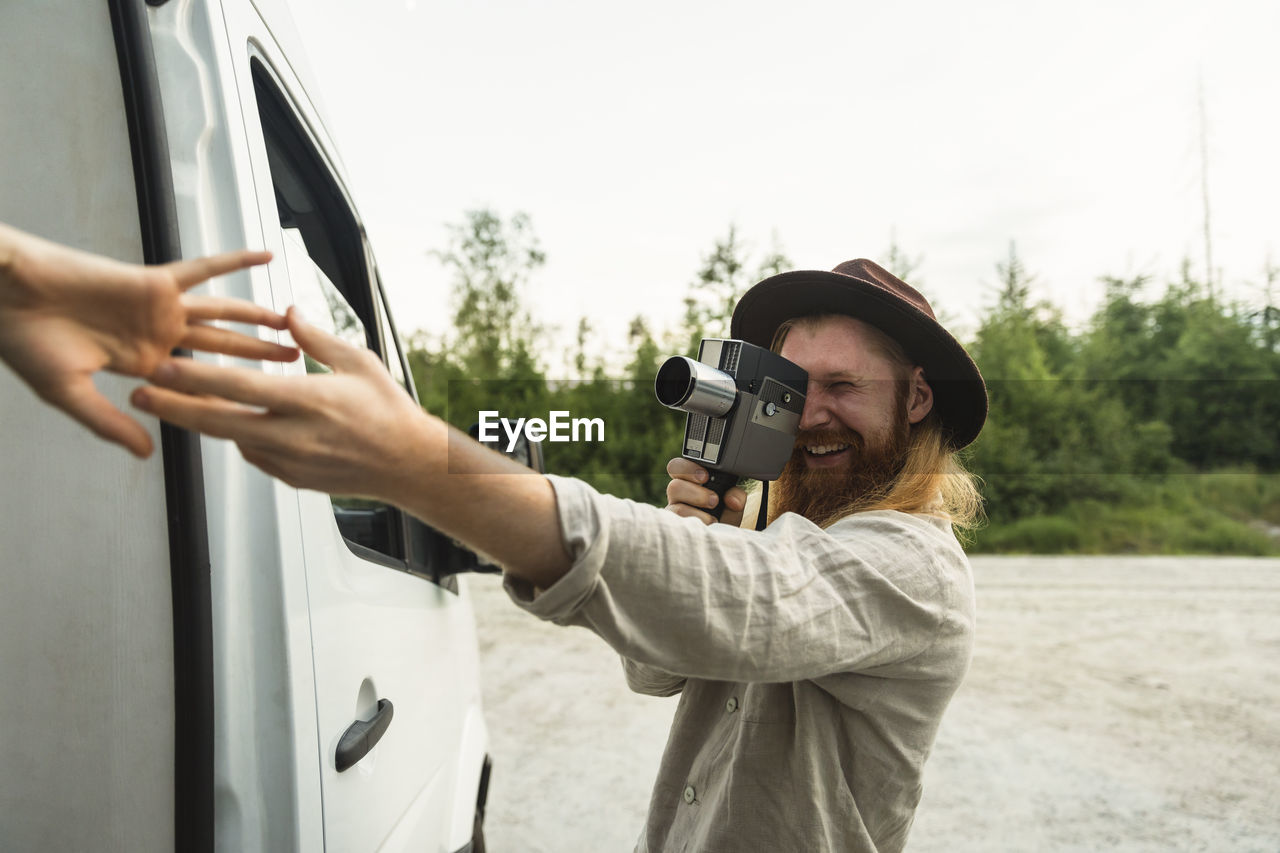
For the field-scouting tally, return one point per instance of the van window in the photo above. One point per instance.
(331, 278)
(395, 359)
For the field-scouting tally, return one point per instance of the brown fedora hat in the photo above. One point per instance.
(870, 293)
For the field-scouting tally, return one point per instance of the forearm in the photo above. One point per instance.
(484, 500)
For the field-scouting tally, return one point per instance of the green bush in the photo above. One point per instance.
(1221, 512)
(1040, 534)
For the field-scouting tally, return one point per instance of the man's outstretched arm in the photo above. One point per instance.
(356, 432)
(717, 602)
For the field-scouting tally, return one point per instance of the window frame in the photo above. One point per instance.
(419, 549)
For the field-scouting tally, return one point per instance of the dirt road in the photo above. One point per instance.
(1128, 704)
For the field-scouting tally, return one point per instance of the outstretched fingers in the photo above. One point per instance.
(227, 342)
(233, 384)
(208, 308)
(84, 402)
(204, 309)
(323, 347)
(207, 415)
(192, 272)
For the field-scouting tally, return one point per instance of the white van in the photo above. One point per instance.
(192, 655)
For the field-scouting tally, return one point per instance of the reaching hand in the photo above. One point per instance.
(687, 496)
(65, 314)
(352, 432)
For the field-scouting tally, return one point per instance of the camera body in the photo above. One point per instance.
(743, 402)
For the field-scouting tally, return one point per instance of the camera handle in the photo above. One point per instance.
(719, 482)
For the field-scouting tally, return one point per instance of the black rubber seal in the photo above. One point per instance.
(183, 472)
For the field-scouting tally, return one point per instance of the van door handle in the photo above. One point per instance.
(362, 735)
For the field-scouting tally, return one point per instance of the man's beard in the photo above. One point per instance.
(823, 495)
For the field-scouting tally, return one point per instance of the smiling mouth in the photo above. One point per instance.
(825, 449)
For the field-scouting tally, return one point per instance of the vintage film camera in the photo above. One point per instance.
(744, 406)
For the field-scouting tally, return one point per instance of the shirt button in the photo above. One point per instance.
(732, 704)
(689, 794)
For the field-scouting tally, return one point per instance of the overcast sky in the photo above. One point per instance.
(634, 134)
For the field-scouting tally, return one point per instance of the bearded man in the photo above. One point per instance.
(827, 753)
(815, 658)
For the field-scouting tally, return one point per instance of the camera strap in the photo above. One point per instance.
(763, 512)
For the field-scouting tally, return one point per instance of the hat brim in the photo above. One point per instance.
(959, 393)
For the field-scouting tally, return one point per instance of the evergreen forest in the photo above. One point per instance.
(1149, 428)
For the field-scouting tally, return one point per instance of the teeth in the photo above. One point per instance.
(822, 449)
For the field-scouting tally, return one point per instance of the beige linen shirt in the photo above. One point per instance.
(814, 665)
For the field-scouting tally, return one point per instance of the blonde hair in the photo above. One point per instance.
(933, 480)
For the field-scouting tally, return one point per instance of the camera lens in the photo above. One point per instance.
(674, 381)
(692, 386)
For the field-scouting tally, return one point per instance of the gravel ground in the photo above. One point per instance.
(1128, 704)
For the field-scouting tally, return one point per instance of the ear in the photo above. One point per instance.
(919, 397)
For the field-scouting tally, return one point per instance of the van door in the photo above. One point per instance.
(94, 753)
(391, 658)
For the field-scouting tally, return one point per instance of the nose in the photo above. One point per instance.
(815, 414)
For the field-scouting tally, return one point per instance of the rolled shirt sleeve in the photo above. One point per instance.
(651, 680)
(678, 599)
